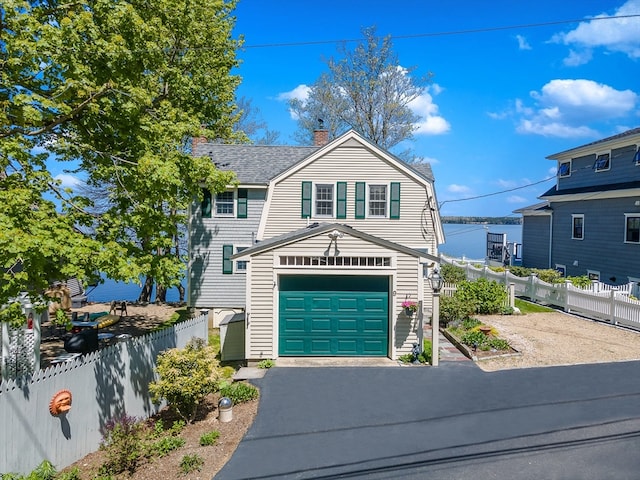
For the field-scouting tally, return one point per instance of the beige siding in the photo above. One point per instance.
(261, 329)
(405, 275)
(351, 165)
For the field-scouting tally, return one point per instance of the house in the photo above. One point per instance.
(589, 221)
(317, 247)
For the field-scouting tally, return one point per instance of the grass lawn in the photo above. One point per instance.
(528, 307)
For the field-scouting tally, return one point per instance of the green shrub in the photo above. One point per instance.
(191, 463)
(520, 271)
(474, 337)
(239, 392)
(452, 274)
(498, 343)
(164, 446)
(268, 363)
(73, 474)
(485, 296)
(469, 323)
(186, 377)
(425, 356)
(454, 308)
(548, 275)
(209, 438)
(580, 282)
(122, 443)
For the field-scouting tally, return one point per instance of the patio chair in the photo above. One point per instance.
(118, 307)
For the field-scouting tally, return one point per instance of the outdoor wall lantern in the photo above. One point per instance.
(334, 235)
(60, 403)
(437, 282)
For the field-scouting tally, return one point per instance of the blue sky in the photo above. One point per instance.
(501, 100)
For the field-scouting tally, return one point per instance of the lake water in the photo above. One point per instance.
(461, 240)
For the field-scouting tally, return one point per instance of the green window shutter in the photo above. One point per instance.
(242, 203)
(361, 195)
(394, 209)
(306, 199)
(227, 264)
(341, 197)
(205, 206)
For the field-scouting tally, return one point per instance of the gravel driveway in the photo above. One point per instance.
(557, 338)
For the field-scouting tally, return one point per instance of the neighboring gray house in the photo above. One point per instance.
(318, 247)
(589, 222)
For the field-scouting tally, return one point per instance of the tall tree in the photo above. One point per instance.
(114, 88)
(367, 90)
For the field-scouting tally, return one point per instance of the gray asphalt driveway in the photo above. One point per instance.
(450, 422)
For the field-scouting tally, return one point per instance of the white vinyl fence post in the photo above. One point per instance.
(612, 315)
(512, 295)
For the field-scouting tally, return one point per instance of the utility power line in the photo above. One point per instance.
(497, 193)
(440, 34)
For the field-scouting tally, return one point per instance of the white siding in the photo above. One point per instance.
(262, 312)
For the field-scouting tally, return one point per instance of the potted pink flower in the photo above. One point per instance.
(410, 307)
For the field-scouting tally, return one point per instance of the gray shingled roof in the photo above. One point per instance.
(258, 164)
(253, 164)
(553, 191)
(628, 133)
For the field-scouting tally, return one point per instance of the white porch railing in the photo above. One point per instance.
(599, 301)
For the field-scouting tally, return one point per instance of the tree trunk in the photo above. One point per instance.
(145, 294)
(181, 292)
(161, 294)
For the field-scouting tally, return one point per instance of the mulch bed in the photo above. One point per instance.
(478, 355)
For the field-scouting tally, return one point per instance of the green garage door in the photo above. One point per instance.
(334, 316)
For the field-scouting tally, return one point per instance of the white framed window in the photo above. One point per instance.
(636, 157)
(241, 265)
(561, 269)
(324, 199)
(632, 228)
(225, 204)
(577, 226)
(564, 169)
(603, 162)
(593, 275)
(377, 201)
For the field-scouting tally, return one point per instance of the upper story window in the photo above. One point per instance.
(224, 204)
(577, 226)
(603, 162)
(324, 200)
(564, 169)
(241, 265)
(377, 200)
(632, 228)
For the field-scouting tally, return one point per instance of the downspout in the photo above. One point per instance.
(550, 237)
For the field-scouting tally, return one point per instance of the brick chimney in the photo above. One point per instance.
(320, 137)
(195, 141)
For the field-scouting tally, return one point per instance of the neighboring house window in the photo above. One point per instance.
(602, 162)
(205, 206)
(224, 204)
(564, 169)
(377, 200)
(242, 202)
(324, 200)
(632, 228)
(577, 227)
(593, 275)
(227, 263)
(636, 157)
(241, 265)
(561, 269)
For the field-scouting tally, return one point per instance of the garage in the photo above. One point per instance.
(330, 315)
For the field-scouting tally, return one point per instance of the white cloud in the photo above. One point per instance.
(68, 181)
(576, 59)
(301, 92)
(431, 122)
(454, 188)
(522, 43)
(564, 108)
(615, 35)
(516, 199)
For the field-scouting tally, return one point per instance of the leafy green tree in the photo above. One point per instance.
(113, 90)
(366, 90)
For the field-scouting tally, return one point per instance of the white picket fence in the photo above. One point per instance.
(599, 301)
(109, 382)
